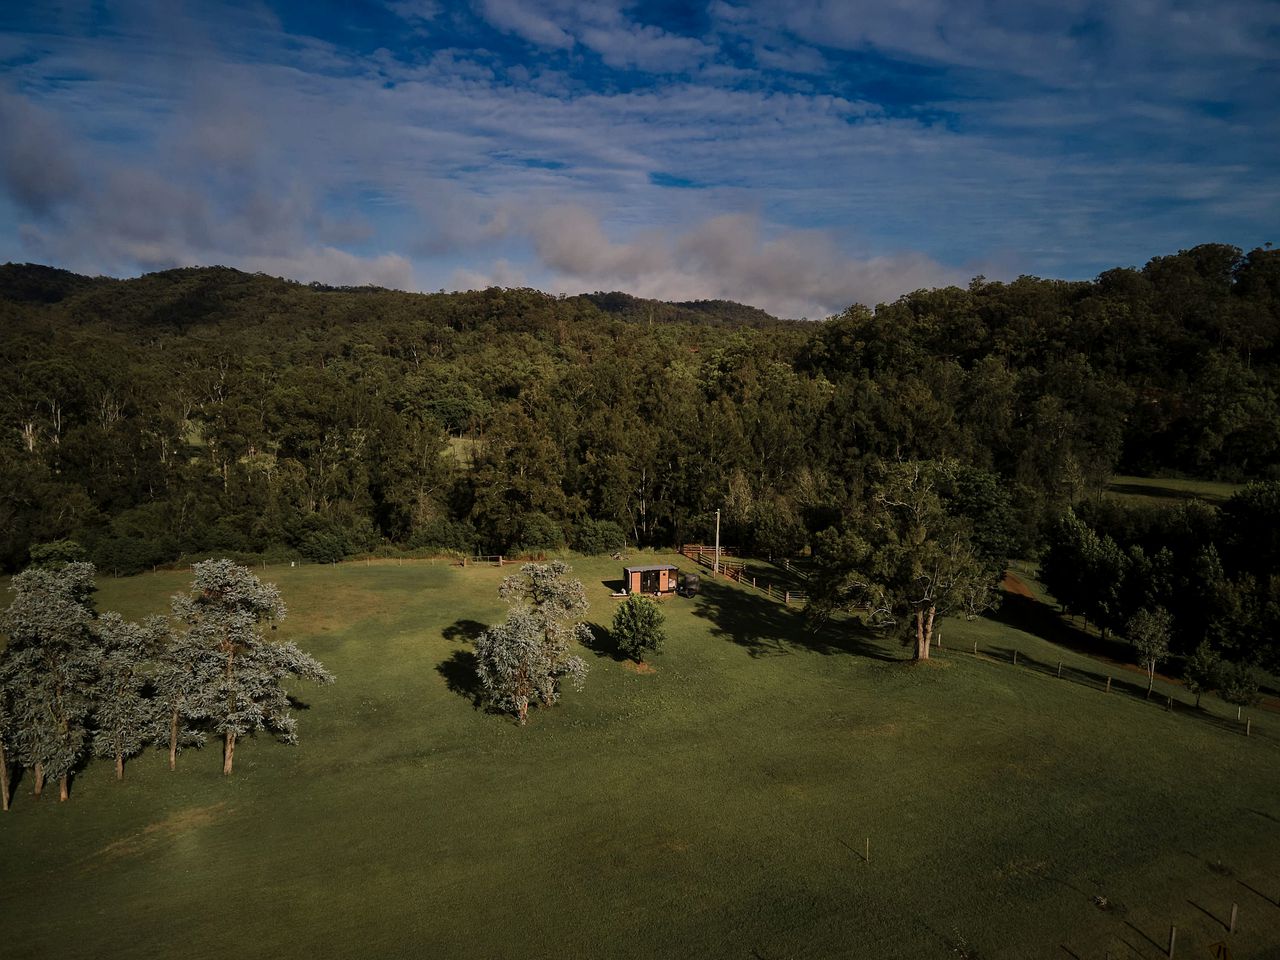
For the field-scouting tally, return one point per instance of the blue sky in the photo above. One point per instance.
(800, 156)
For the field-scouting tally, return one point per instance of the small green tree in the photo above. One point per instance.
(126, 718)
(1238, 684)
(523, 660)
(1149, 631)
(223, 613)
(1200, 674)
(637, 627)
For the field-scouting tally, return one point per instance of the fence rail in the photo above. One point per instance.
(737, 571)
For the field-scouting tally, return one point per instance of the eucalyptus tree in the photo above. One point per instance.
(126, 717)
(50, 665)
(522, 660)
(223, 614)
(188, 667)
(904, 560)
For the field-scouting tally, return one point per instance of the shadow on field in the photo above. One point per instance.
(1135, 687)
(1144, 935)
(464, 630)
(614, 586)
(459, 673)
(603, 643)
(770, 629)
(1040, 620)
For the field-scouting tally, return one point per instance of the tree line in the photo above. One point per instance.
(207, 411)
(1203, 581)
(76, 684)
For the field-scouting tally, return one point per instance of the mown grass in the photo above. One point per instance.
(1162, 491)
(716, 807)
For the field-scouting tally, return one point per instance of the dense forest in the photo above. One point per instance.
(208, 410)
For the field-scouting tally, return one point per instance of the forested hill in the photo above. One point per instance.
(204, 410)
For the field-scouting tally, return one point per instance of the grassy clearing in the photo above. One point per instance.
(1161, 491)
(716, 807)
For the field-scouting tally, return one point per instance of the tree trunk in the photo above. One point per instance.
(928, 629)
(173, 740)
(39, 778)
(4, 779)
(119, 765)
(1151, 681)
(64, 787)
(524, 713)
(1197, 701)
(922, 648)
(229, 752)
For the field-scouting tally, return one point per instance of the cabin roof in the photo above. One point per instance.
(650, 567)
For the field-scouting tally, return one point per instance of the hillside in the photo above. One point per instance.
(205, 408)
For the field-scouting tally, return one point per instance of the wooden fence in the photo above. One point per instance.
(736, 570)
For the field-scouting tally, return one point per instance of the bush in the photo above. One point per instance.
(456, 535)
(321, 547)
(539, 533)
(637, 627)
(598, 537)
(57, 554)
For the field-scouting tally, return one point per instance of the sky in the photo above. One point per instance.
(797, 155)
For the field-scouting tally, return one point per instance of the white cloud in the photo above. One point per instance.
(184, 139)
(790, 273)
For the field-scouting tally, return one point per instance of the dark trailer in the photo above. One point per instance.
(656, 578)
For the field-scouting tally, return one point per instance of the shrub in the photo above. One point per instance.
(598, 537)
(637, 627)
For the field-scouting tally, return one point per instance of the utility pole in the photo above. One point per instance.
(717, 566)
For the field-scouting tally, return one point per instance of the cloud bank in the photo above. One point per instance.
(791, 155)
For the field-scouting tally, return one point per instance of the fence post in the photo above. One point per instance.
(1232, 928)
(1059, 669)
(1015, 658)
(1173, 940)
(1108, 684)
(1248, 726)
(786, 599)
(975, 648)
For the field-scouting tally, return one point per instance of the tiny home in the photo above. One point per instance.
(656, 578)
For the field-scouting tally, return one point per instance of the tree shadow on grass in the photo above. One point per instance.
(767, 628)
(603, 643)
(460, 677)
(1041, 620)
(464, 631)
(1135, 687)
(1144, 935)
(614, 586)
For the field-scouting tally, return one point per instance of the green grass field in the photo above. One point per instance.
(717, 806)
(1162, 491)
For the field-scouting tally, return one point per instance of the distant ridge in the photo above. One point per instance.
(185, 296)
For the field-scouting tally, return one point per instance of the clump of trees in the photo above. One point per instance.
(1211, 571)
(638, 627)
(523, 660)
(75, 684)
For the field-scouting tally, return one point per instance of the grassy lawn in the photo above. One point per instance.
(718, 806)
(1160, 491)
